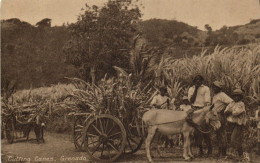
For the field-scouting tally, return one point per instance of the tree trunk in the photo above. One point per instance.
(93, 74)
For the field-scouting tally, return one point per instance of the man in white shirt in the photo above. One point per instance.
(199, 97)
(199, 94)
(220, 101)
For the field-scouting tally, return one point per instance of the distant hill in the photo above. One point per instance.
(33, 56)
(172, 32)
(250, 31)
(252, 28)
(235, 35)
(176, 34)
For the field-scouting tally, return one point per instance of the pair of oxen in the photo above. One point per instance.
(23, 124)
(169, 122)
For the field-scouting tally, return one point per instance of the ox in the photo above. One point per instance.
(169, 122)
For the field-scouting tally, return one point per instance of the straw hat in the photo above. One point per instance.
(237, 92)
(218, 84)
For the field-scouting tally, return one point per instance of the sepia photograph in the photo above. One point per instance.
(130, 81)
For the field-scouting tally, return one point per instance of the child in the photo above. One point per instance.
(186, 104)
(236, 116)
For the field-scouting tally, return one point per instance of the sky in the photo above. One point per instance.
(216, 13)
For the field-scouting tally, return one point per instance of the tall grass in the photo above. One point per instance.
(234, 67)
(54, 94)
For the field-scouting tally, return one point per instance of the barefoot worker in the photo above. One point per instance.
(199, 97)
(220, 101)
(236, 116)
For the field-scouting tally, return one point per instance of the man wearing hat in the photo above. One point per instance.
(236, 116)
(220, 101)
(199, 97)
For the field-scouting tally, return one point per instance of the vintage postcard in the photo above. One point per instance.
(130, 80)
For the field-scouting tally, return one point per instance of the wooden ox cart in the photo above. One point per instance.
(17, 122)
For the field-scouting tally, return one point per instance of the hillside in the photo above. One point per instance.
(33, 56)
(235, 35)
(172, 32)
(178, 35)
(250, 31)
(251, 28)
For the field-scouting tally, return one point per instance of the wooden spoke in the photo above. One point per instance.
(112, 146)
(92, 135)
(114, 134)
(96, 129)
(109, 155)
(96, 148)
(93, 142)
(101, 126)
(111, 129)
(102, 149)
(107, 120)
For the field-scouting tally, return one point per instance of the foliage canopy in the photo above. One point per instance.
(101, 38)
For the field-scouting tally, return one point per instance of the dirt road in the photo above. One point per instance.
(60, 148)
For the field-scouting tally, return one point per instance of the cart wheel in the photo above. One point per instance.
(104, 138)
(134, 137)
(78, 133)
(9, 130)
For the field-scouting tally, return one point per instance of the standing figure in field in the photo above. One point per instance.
(161, 101)
(220, 101)
(236, 116)
(199, 97)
